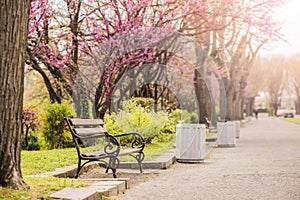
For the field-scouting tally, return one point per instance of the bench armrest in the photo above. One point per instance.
(111, 145)
(138, 139)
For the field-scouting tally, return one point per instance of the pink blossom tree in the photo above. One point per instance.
(56, 46)
(61, 37)
(167, 15)
(252, 24)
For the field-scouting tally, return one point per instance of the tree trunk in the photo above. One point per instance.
(239, 108)
(230, 100)
(230, 112)
(202, 96)
(297, 105)
(249, 106)
(13, 40)
(53, 95)
(242, 109)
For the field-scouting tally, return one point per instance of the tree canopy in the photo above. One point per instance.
(62, 36)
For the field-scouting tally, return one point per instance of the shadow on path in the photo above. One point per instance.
(265, 164)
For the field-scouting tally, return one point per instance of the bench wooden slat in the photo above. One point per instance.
(126, 152)
(123, 152)
(89, 131)
(87, 122)
(94, 154)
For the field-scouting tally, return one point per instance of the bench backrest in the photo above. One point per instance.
(86, 122)
(86, 132)
(86, 127)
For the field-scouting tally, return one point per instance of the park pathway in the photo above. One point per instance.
(265, 164)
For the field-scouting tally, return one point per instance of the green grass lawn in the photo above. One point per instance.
(40, 188)
(295, 120)
(34, 162)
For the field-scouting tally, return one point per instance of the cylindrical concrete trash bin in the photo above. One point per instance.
(237, 129)
(226, 134)
(190, 142)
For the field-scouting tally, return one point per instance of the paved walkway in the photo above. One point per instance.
(265, 164)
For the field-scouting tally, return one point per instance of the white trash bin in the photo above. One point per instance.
(190, 142)
(226, 134)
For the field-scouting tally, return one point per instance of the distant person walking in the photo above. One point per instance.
(256, 113)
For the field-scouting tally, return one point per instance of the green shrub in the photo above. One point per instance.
(30, 122)
(170, 125)
(185, 116)
(142, 101)
(139, 117)
(194, 119)
(55, 133)
(32, 142)
(180, 115)
(136, 118)
(164, 138)
(175, 117)
(111, 125)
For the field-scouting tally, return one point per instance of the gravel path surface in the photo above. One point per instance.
(265, 164)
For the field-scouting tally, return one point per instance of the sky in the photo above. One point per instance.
(290, 14)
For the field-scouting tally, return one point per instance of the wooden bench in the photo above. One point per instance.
(94, 143)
